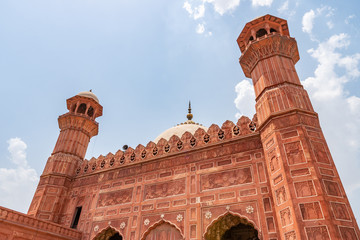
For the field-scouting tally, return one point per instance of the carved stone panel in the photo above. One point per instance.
(281, 196)
(286, 218)
(332, 188)
(311, 211)
(305, 188)
(348, 233)
(290, 235)
(318, 232)
(274, 161)
(114, 198)
(320, 152)
(226, 178)
(340, 211)
(294, 153)
(165, 189)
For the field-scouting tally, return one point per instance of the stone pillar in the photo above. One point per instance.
(76, 128)
(309, 199)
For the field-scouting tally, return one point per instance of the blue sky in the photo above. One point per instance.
(146, 59)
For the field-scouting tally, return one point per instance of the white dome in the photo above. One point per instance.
(179, 130)
(88, 95)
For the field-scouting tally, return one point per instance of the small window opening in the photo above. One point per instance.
(90, 112)
(82, 108)
(73, 108)
(260, 33)
(272, 30)
(76, 217)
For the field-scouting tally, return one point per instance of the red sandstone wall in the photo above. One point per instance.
(19, 226)
(188, 187)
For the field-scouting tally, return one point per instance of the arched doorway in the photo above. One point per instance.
(108, 234)
(163, 231)
(231, 227)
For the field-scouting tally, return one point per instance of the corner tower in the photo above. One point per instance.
(77, 126)
(309, 199)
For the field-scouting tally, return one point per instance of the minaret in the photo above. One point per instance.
(309, 199)
(76, 128)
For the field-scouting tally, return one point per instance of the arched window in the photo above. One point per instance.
(163, 231)
(90, 112)
(272, 30)
(82, 108)
(230, 227)
(108, 234)
(261, 32)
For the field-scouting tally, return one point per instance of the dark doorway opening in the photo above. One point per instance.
(241, 232)
(116, 236)
(76, 217)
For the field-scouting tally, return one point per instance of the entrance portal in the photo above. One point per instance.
(231, 227)
(163, 231)
(108, 234)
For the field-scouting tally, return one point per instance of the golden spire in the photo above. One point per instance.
(189, 115)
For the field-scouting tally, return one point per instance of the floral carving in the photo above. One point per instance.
(179, 217)
(227, 178)
(96, 228)
(165, 189)
(146, 222)
(249, 209)
(208, 214)
(122, 225)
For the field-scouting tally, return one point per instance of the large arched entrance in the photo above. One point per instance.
(163, 231)
(231, 227)
(108, 234)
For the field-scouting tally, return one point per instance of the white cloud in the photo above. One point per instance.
(309, 18)
(17, 185)
(245, 99)
(223, 6)
(308, 21)
(347, 20)
(199, 11)
(262, 3)
(188, 7)
(284, 7)
(330, 24)
(339, 112)
(200, 28)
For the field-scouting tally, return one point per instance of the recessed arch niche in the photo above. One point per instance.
(108, 233)
(163, 230)
(230, 227)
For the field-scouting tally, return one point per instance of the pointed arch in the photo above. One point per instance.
(163, 225)
(223, 223)
(108, 233)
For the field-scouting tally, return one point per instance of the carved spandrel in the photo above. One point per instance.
(320, 152)
(348, 233)
(305, 189)
(311, 211)
(317, 233)
(114, 198)
(294, 153)
(226, 178)
(281, 196)
(340, 211)
(165, 189)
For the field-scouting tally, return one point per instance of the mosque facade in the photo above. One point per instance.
(271, 177)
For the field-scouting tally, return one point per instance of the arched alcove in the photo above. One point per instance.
(108, 233)
(231, 227)
(163, 230)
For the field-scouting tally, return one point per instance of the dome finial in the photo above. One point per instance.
(189, 116)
